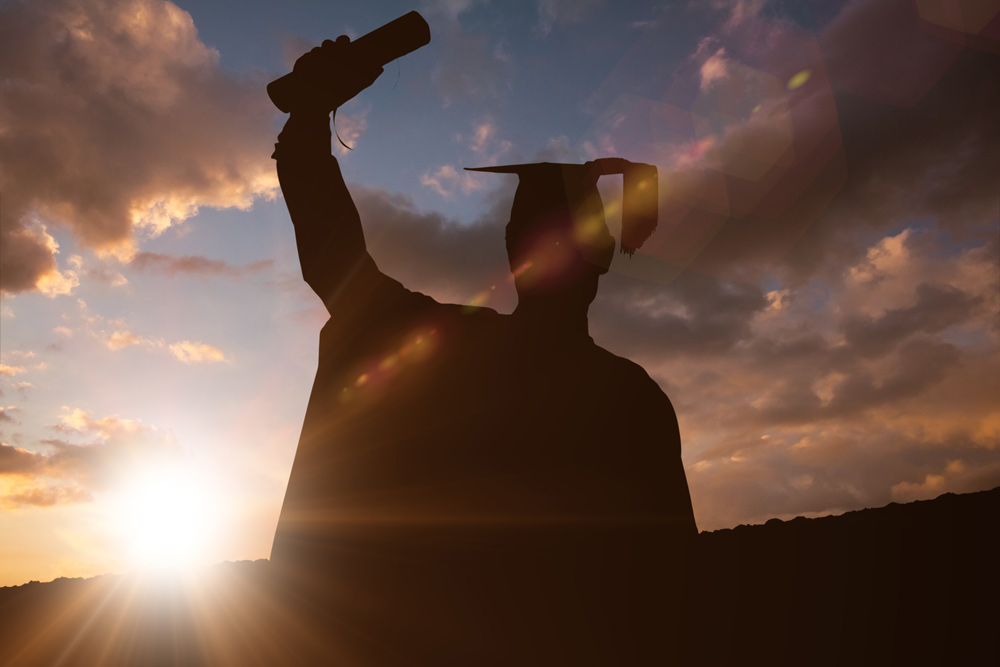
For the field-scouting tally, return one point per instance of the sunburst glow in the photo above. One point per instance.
(168, 517)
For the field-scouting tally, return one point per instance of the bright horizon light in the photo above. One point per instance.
(168, 516)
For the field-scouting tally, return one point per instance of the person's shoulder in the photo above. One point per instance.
(621, 364)
(632, 374)
(405, 299)
(476, 314)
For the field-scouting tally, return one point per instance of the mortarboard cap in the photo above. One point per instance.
(548, 186)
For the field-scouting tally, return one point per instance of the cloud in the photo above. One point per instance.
(51, 282)
(121, 124)
(448, 9)
(196, 265)
(485, 149)
(40, 496)
(193, 353)
(819, 402)
(20, 354)
(470, 68)
(954, 475)
(485, 144)
(116, 334)
(121, 339)
(554, 12)
(349, 128)
(931, 487)
(937, 307)
(693, 315)
(427, 252)
(740, 12)
(483, 133)
(67, 473)
(121, 444)
(16, 460)
(446, 180)
(781, 152)
(82, 421)
(5, 413)
(11, 370)
(714, 68)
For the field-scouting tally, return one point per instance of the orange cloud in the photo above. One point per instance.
(82, 421)
(42, 496)
(192, 353)
(120, 339)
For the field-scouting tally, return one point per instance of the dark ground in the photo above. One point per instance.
(914, 584)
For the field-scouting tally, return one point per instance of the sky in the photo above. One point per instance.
(820, 301)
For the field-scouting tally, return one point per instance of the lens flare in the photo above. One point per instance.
(799, 79)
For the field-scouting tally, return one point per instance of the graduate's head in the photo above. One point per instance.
(557, 237)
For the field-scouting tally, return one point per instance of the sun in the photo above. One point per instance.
(168, 518)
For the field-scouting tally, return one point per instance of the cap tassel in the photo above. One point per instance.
(640, 203)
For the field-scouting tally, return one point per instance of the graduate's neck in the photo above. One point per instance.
(565, 316)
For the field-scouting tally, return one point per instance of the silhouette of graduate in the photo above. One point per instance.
(472, 488)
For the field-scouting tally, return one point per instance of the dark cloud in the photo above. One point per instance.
(825, 472)
(911, 59)
(919, 137)
(117, 118)
(694, 314)
(429, 253)
(194, 265)
(937, 308)
(791, 398)
(781, 152)
(14, 460)
(24, 255)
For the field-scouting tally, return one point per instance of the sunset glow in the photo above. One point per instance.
(819, 299)
(167, 518)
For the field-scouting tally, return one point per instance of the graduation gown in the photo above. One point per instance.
(469, 488)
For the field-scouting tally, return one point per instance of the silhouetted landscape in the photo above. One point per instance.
(898, 585)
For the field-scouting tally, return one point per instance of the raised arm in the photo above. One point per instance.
(328, 229)
(327, 225)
